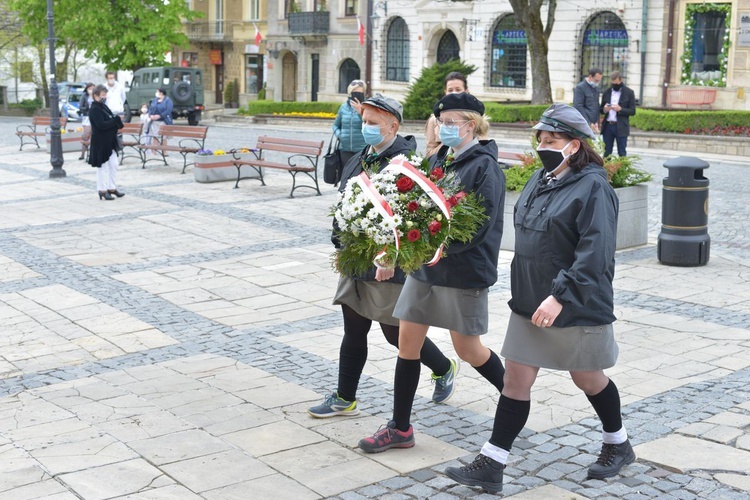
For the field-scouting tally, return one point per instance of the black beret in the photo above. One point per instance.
(458, 102)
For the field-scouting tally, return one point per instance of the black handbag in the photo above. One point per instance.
(332, 163)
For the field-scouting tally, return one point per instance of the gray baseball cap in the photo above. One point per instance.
(565, 119)
(387, 104)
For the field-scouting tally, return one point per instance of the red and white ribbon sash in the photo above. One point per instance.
(383, 208)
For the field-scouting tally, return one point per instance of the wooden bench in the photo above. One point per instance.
(691, 96)
(508, 159)
(191, 140)
(131, 138)
(30, 134)
(298, 151)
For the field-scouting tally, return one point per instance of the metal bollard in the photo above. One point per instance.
(684, 240)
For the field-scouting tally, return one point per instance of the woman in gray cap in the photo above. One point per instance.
(451, 294)
(562, 297)
(368, 298)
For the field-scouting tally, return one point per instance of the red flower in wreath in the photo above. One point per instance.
(460, 196)
(404, 185)
(452, 201)
(434, 227)
(412, 206)
(413, 235)
(437, 174)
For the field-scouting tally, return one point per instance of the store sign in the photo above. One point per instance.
(606, 37)
(510, 37)
(743, 39)
(214, 56)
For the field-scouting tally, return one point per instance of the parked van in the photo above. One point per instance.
(184, 86)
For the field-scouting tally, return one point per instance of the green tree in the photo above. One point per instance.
(529, 15)
(122, 34)
(429, 88)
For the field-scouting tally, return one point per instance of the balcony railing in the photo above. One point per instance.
(309, 23)
(209, 30)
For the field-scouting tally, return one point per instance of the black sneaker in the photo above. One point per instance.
(612, 458)
(483, 472)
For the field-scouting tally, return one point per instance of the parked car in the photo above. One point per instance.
(70, 93)
(184, 86)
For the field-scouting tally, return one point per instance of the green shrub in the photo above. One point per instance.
(511, 113)
(270, 107)
(429, 88)
(28, 105)
(685, 121)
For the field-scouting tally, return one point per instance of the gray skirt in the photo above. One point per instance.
(370, 299)
(574, 348)
(461, 310)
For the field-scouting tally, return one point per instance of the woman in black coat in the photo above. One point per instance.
(104, 145)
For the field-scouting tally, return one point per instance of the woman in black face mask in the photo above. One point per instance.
(562, 298)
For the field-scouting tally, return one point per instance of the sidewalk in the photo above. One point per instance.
(166, 345)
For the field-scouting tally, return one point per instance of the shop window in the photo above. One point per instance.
(397, 51)
(253, 73)
(704, 61)
(508, 54)
(348, 71)
(605, 46)
(448, 48)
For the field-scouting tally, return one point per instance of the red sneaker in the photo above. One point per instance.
(387, 437)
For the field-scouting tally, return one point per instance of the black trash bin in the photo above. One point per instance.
(684, 240)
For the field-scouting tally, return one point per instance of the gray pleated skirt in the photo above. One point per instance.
(461, 310)
(370, 299)
(574, 348)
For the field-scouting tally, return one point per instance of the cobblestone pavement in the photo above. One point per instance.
(166, 345)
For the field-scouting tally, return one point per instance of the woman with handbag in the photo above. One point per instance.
(84, 105)
(347, 127)
(104, 144)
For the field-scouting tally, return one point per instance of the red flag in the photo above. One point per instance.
(258, 38)
(361, 29)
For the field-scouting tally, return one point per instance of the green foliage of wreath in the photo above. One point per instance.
(687, 55)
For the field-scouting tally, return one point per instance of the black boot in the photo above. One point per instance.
(117, 193)
(104, 195)
(483, 471)
(612, 458)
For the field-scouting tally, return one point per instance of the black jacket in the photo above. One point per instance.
(83, 105)
(104, 126)
(401, 146)
(627, 103)
(473, 264)
(565, 247)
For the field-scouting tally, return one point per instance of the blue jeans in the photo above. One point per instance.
(610, 136)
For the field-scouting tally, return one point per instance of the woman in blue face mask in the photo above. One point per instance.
(372, 297)
(452, 294)
(561, 296)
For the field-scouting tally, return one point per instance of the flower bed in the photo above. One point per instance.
(217, 166)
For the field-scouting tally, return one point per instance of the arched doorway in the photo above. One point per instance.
(348, 71)
(289, 75)
(448, 48)
(604, 46)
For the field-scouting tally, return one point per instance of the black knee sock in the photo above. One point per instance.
(493, 371)
(607, 406)
(353, 353)
(510, 417)
(405, 384)
(430, 354)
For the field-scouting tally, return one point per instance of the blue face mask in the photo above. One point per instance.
(372, 134)
(449, 135)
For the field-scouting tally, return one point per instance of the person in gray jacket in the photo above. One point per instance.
(586, 98)
(562, 297)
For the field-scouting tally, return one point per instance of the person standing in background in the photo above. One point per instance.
(618, 105)
(104, 144)
(455, 83)
(84, 105)
(586, 98)
(347, 127)
(115, 94)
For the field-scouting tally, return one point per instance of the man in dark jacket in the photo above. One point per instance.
(586, 98)
(618, 105)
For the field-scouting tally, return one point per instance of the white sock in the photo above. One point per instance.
(618, 437)
(495, 453)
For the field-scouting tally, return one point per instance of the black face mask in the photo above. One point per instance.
(616, 86)
(360, 96)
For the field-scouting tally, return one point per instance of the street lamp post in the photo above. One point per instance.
(56, 156)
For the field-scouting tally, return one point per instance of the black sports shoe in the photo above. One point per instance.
(483, 471)
(612, 458)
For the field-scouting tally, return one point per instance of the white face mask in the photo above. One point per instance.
(144, 111)
(157, 95)
(111, 82)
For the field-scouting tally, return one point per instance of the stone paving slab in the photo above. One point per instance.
(172, 340)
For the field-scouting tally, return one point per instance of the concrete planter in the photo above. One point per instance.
(218, 168)
(71, 141)
(632, 224)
